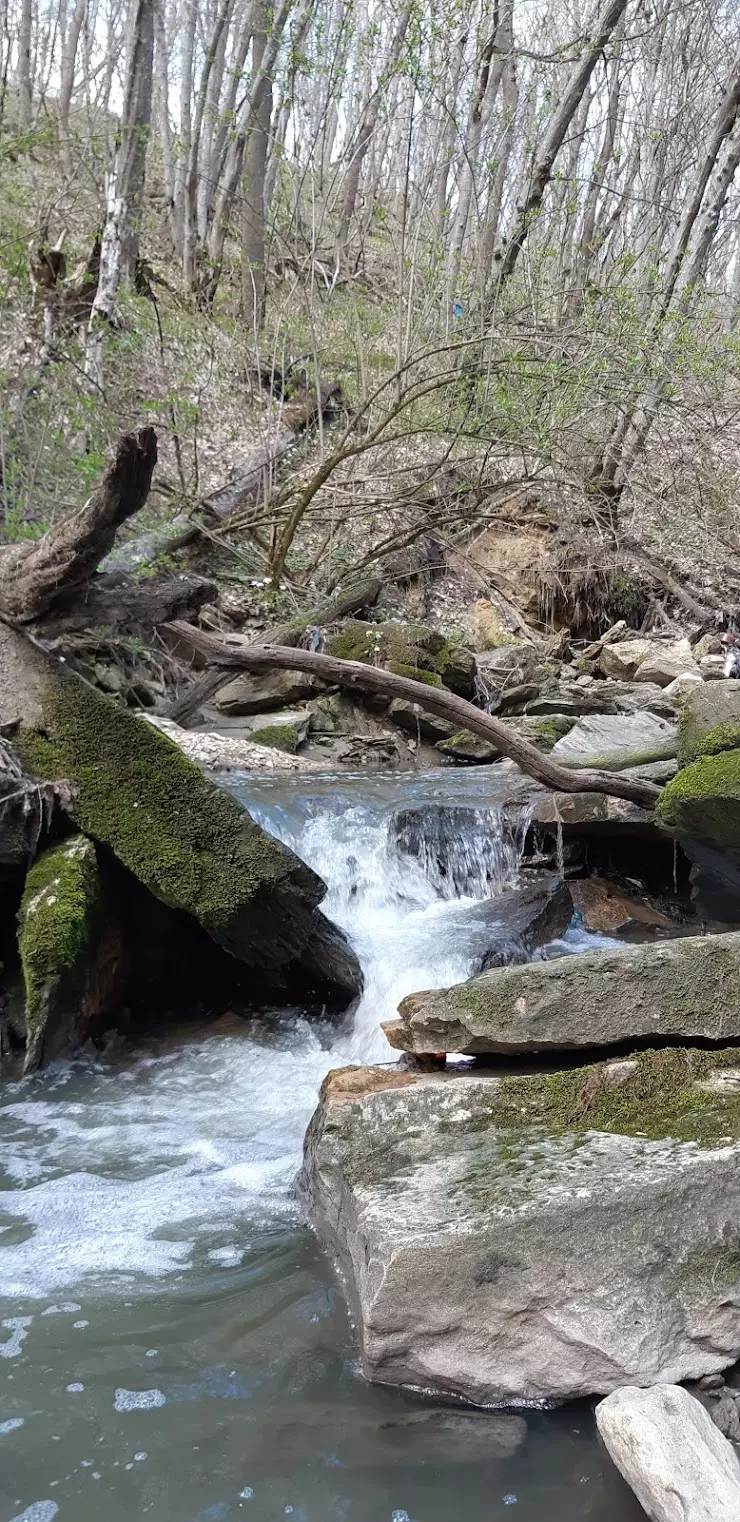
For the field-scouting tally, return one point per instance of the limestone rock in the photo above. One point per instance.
(622, 659)
(615, 741)
(412, 719)
(286, 732)
(533, 1238)
(247, 694)
(670, 1453)
(684, 683)
(686, 989)
(666, 662)
(710, 721)
(709, 644)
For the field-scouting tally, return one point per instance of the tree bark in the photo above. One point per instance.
(253, 184)
(604, 24)
(35, 576)
(236, 654)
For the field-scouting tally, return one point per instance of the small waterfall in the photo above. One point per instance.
(402, 885)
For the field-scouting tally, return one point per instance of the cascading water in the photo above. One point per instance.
(175, 1344)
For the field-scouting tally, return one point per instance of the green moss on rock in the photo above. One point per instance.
(57, 921)
(722, 737)
(467, 747)
(408, 649)
(285, 737)
(702, 803)
(664, 1098)
(191, 844)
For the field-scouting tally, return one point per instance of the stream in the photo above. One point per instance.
(173, 1342)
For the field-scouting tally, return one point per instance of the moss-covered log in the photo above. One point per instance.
(188, 842)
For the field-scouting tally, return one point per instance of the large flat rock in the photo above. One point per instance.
(528, 1239)
(671, 1454)
(686, 989)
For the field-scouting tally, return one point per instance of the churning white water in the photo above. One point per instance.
(173, 1344)
(127, 1171)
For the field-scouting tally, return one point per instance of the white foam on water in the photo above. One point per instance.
(138, 1400)
(121, 1176)
(12, 1424)
(39, 1511)
(18, 1328)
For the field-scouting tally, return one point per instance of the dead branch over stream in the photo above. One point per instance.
(238, 655)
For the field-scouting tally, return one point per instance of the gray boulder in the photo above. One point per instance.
(617, 741)
(247, 694)
(666, 662)
(538, 1238)
(669, 1451)
(687, 989)
(521, 919)
(710, 721)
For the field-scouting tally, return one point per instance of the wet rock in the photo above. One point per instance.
(524, 918)
(686, 990)
(538, 1237)
(413, 721)
(247, 694)
(409, 649)
(710, 721)
(605, 909)
(462, 850)
(664, 1444)
(469, 749)
(617, 741)
(666, 662)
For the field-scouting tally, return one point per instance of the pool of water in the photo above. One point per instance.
(173, 1342)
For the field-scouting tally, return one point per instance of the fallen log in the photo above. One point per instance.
(256, 479)
(362, 595)
(37, 575)
(130, 605)
(235, 653)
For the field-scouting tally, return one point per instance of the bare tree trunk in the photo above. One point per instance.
(253, 183)
(136, 119)
(492, 66)
(602, 27)
(366, 130)
(67, 80)
(240, 656)
(25, 94)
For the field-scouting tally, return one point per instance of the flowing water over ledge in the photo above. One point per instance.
(173, 1342)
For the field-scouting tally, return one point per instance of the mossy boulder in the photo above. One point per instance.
(709, 721)
(469, 749)
(286, 736)
(191, 844)
(539, 1237)
(409, 649)
(681, 990)
(65, 948)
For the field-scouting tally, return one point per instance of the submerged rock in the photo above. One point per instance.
(524, 918)
(70, 958)
(686, 990)
(670, 1453)
(534, 1238)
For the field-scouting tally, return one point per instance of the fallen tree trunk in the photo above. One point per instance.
(362, 595)
(131, 604)
(256, 479)
(234, 653)
(36, 575)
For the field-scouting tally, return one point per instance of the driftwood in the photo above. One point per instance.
(35, 576)
(238, 655)
(362, 595)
